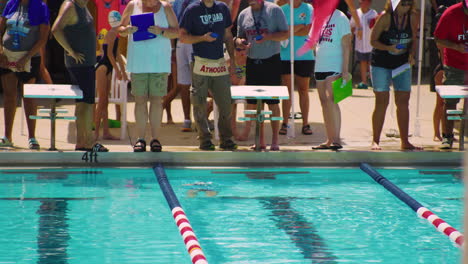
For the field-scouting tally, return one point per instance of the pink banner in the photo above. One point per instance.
(323, 9)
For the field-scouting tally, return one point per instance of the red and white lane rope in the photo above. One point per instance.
(454, 235)
(189, 237)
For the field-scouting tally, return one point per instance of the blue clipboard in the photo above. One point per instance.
(143, 22)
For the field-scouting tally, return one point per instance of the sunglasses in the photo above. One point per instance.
(406, 3)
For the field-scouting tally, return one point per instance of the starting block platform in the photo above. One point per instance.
(52, 91)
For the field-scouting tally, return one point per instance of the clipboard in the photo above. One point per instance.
(403, 68)
(143, 22)
(340, 91)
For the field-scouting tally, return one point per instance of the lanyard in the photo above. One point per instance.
(400, 26)
(210, 17)
(257, 21)
(325, 28)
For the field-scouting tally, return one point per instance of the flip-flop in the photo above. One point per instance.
(99, 148)
(322, 146)
(336, 146)
(261, 147)
(83, 149)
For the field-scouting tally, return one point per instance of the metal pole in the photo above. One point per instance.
(417, 126)
(291, 129)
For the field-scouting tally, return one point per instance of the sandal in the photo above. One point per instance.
(83, 149)
(155, 146)
(140, 145)
(336, 146)
(284, 129)
(322, 146)
(99, 148)
(5, 142)
(33, 144)
(306, 130)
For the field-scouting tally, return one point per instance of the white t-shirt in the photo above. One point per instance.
(363, 45)
(329, 53)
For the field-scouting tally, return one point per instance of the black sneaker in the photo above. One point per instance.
(447, 142)
(207, 145)
(228, 145)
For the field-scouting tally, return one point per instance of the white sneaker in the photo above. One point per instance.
(187, 126)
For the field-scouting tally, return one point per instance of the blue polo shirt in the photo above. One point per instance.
(199, 20)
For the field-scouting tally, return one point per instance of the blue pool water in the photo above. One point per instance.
(240, 215)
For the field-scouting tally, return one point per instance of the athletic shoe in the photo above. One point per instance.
(362, 86)
(187, 126)
(447, 142)
(207, 145)
(228, 145)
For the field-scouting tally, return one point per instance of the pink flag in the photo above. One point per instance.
(323, 9)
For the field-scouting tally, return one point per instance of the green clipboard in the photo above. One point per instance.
(340, 91)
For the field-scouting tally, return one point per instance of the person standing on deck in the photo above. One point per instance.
(207, 25)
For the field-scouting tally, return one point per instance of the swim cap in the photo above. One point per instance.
(115, 19)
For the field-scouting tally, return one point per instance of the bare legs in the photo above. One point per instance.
(378, 118)
(303, 88)
(331, 111)
(439, 114)
(364, 65)
(84, 125)
(438, 117)
(101, 115)
(10, 93)
(142, 115)
(184, 91)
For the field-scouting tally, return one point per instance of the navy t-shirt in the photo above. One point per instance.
(199, 20)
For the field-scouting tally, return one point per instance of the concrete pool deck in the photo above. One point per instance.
(182, 147)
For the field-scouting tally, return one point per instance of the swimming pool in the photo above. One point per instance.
(240, 215)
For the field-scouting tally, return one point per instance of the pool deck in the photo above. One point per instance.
(181, 148)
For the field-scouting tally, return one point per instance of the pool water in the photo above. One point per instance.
(240, 215)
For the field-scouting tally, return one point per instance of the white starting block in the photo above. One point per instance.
(259, 93)
(455, 92)
(52, 91)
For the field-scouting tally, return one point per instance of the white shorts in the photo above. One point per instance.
(184, 56)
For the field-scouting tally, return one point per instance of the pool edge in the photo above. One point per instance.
(219, 158)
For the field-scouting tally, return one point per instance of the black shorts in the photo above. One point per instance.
(85, 78)
(302, 68)
(321, 76)
(24, 77)
(263, 72)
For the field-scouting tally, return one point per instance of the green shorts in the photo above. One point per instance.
(149, 84)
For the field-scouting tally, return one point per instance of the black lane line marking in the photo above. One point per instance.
(301, 232)
(53, 236)
(260, 175)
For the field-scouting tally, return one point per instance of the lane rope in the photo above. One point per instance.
(454, 235)
(180, 218)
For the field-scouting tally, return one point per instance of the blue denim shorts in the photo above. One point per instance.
(382, 78)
